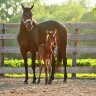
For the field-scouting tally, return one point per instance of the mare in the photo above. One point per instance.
(61, 38)
(28, 37)
(25, 40)
(45, 52)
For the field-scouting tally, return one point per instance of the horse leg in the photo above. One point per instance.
(24, 54)
(40, 69)
(50, 70)
(59, 60)
(46, 72)
(53, 67)
(33, 66)
(65, 65)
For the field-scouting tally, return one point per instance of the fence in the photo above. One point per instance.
(70, 49)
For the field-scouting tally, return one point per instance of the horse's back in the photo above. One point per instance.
(61, 34)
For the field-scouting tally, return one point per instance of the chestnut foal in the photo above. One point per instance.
(45, 52)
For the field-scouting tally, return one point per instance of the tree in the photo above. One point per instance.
(9, 8)
(94, 10)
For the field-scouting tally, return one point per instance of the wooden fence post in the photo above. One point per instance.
(2, 54)
(76, 42)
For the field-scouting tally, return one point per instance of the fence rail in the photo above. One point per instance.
(73, 37)
(70, 49)
(83, 25)
(76, 69)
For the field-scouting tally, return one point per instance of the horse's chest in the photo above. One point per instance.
(48, 56)
(26, 42)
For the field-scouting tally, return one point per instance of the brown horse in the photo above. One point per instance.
(45, 52)
(25, 40)
(28, 40)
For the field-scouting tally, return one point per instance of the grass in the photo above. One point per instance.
(57, 75)
(20, 63)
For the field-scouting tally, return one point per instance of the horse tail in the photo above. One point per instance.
(59, 60)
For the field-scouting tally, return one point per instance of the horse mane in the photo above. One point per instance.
(34, 22)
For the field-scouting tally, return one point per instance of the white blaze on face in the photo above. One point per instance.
(28, 24)
(28, 20)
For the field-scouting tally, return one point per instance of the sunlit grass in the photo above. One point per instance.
(37, 74)
(86, 75)
(57, 75)
(20, 63)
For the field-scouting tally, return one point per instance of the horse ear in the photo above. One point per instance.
(34, 23)
(23, 6)
(32, 7)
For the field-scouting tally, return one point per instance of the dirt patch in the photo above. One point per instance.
(74, 87)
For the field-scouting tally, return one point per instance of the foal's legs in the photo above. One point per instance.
(50, 70)
(33, 66)
(46, 72)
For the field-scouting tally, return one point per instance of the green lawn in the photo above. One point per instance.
(57, 75)
(20, 63)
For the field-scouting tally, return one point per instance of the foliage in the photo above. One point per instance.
(10, 8)
(20, 63)
(63, 12)
(86, 17)
(94, 10)
(70, 11)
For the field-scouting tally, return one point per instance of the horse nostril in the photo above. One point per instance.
(28, 23)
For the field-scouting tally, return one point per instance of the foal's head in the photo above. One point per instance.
(27, 17)
(51, 38)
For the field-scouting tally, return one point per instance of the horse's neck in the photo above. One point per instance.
(24, 34)
(22, 27)
(23, 30)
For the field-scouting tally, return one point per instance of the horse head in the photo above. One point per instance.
(27, 17)
(51, 38)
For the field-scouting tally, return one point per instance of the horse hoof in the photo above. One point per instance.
(46, 83)
(50, 81)
(25, 82)
(52, 77)
(38, 82)
(65, 81)
(34, 82)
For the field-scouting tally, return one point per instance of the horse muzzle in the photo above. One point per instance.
(28, 24)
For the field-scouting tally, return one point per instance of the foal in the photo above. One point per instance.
(45, 53)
